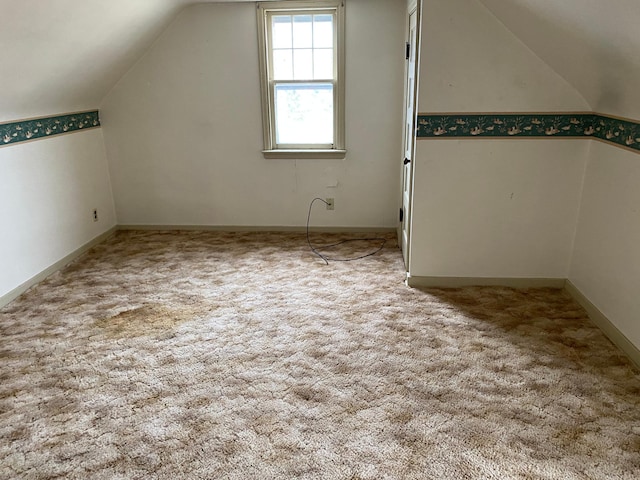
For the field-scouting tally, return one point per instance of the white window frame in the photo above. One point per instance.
(267, 84)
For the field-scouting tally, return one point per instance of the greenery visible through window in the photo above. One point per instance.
(301, 55)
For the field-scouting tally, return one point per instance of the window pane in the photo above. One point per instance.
(281, 31)
(282, 65)
(323, 64)
(323, 31)
(304, 113)
(302, 31)
(303, 64)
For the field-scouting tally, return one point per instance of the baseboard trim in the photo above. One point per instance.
(20, 289)
(598, 318)
(253, 228)
(454, 282)
(603, 323)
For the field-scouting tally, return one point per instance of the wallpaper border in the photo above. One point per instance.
(613, 130)
(44, 127)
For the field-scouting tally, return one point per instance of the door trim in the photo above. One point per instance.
(413, 7)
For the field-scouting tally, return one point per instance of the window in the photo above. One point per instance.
(302, 68)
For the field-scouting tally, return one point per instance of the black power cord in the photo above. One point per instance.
(325, 257)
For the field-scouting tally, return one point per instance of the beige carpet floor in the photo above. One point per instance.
(163, 355)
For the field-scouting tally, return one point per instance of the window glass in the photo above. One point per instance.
(282, 64)
(303, 64)
(281, 28)
(304, 114)
(323, 64)
(302, 31)
(322, 31)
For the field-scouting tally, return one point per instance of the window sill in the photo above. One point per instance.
(304, 154)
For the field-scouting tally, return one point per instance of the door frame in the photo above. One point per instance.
(413, 7)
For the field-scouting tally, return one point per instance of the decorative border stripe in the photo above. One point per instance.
(621, 132)
(618, 131)
(27, 130)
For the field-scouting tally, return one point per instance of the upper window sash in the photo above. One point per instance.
(272, 49)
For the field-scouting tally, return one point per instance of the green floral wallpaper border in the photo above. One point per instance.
(625, 133)
(27, 130)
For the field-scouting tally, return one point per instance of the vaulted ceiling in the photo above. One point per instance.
(65, 55)
(593, 44)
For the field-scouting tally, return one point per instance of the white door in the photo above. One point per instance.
(409, 137)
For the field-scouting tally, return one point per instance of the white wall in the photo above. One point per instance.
(491, 208)
(496, 208)
(184, 137)
(64, 56)
(48, 189)
(606, 261)
(470, 62)
(592, 43)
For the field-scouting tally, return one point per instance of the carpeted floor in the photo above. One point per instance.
(243, 356)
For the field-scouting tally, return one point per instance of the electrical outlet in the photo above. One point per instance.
(95, 214)
(330, 204)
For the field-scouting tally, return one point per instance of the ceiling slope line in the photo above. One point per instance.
(537, 55)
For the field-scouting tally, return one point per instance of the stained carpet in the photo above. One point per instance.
(164, 355)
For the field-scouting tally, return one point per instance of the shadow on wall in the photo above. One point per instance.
(545, 324)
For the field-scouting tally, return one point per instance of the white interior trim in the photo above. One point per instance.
(304, 154)
(514, 282)
(263, 11)
(252, 228)
(604, 324)
(20, 289)
(599, 318)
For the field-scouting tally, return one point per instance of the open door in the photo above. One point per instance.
(404, 229)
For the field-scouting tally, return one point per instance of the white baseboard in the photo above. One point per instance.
(10, 296)
(604, 324)
(596, 316)
(20, 289)
(454, 282)
(599, 318)
(249, 228)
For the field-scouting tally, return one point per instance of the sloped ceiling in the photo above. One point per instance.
(593, 44)
(64, 55)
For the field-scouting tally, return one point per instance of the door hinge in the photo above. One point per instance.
(401, 214)
(408, 51)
